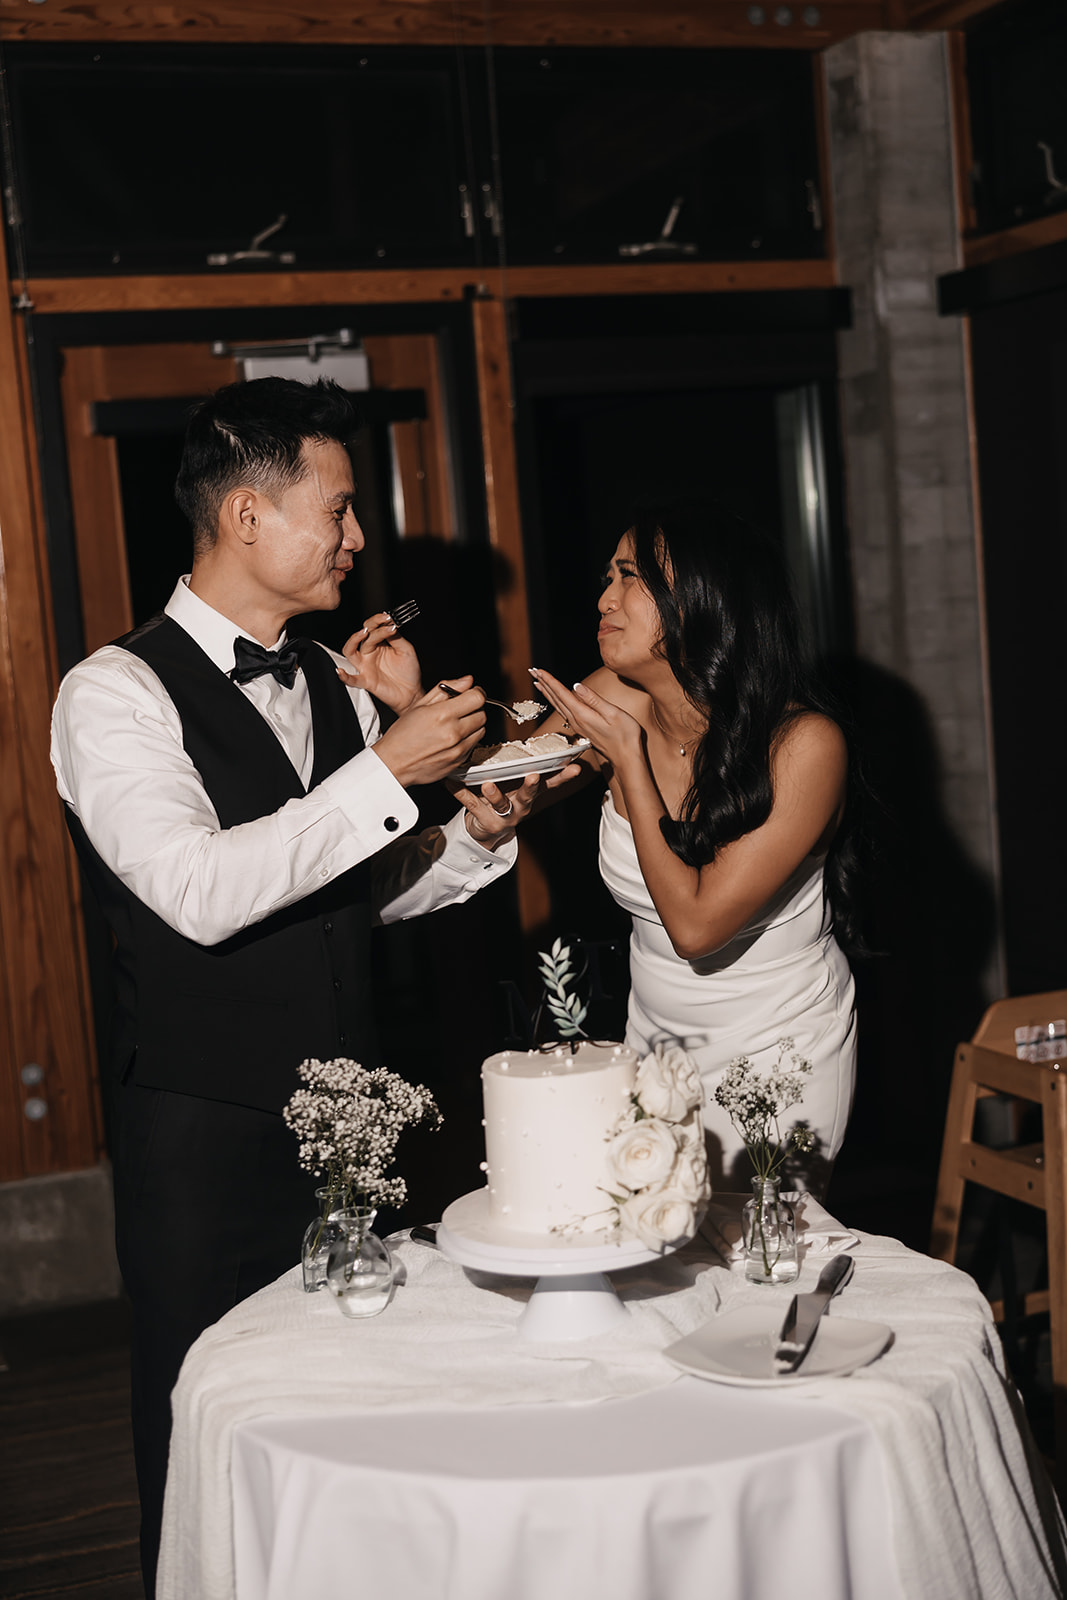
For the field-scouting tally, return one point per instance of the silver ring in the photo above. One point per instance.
(506, 813)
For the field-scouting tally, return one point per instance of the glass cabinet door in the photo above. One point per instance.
(132, 158)
(1017, 84)
(135, 158)
(610, 155)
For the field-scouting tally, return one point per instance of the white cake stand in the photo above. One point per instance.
(573, 1298)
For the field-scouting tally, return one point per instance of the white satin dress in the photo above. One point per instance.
(784, 975)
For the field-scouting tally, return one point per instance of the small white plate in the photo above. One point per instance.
(501, 771)
(738, 1347)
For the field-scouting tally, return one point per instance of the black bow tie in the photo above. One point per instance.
(252, 661)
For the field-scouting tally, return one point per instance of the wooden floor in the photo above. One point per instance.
(68, 1496)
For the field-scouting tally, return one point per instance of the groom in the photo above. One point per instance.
(240, 817)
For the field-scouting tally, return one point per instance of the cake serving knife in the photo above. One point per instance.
(802, 1319)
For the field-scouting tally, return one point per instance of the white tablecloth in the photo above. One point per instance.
(682, 1493)
(917, 1457)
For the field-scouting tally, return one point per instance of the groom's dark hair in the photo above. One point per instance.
(252, 435)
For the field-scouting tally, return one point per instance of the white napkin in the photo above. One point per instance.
(818, 1233)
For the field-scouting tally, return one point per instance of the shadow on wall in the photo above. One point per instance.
(930, 927)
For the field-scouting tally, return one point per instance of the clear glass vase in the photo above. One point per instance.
(769, 1233)
(360, 1272)
(327, 1230)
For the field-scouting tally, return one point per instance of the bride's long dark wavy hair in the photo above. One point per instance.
(731, 636)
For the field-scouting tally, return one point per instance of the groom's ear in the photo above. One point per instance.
(240, 516)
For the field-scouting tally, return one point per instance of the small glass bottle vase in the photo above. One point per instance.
(360, 1271)
(327, 1230)
(769, 1233)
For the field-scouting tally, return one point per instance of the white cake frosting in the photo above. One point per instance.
(548, 1115)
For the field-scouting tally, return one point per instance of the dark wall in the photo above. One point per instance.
(1020, 392)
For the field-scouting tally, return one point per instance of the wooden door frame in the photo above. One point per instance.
(146, 370)
(44, 990)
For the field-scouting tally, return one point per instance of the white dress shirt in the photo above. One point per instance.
(121, 766)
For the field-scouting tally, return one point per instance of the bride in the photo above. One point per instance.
(721, 832)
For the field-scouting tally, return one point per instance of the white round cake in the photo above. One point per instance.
(548, 1117)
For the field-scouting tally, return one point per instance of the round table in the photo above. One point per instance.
(684, 1493)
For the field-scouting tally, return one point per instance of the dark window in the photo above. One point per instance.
(1017, 80)
(598, 146)
(132, 158)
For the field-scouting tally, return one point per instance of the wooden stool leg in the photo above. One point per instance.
(959, 1126)
(1054, 1118)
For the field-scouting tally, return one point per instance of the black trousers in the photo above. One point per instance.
(210, 1205)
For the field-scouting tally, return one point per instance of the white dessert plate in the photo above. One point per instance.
(738, 1347)
(501, 771)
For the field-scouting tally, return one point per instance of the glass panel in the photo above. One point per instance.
(597, 147)
(134, 158)
(1017, 76)
(805, 511)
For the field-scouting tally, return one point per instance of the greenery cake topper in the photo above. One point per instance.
(568, 1010)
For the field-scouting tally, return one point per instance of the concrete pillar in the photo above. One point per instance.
(915, 557)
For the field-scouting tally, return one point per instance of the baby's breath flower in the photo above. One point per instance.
(755, 1105)
(348, 1119)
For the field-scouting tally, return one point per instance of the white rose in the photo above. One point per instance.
(691, 1129)
(668, 1084)
(689, 1175)
(658, 1219)
(643, 1154)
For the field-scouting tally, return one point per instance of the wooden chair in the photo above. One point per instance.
(1034, 1173)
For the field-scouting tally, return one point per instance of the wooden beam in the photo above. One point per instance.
(96, 503)
(544, 23)
(666, 277)
(198, 291)
(496, 401)
(247, 290)
(962, 141)
(1015, 241)
(937, 14)
(44, 967)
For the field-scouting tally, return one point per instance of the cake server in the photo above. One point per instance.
(802, 1319)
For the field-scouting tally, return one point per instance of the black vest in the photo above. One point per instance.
(232, 1021)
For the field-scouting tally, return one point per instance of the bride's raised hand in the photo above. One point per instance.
(383, 662)
(617, 735)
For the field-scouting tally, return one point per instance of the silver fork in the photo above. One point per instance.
(513, 711)
(404, 613)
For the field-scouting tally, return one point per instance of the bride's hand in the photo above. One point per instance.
(384, 663)
(618, 736)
